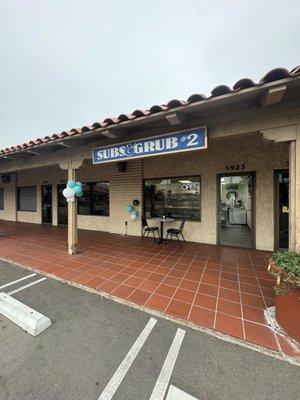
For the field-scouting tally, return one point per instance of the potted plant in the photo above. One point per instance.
(285, 267)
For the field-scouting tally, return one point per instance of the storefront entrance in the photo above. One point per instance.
(282, 209)
(47, 204)
(236, 210)
(62, 206)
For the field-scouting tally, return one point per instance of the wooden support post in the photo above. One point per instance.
(292, 186)
(294, 194)
(72, 165)
(72, 216)
(297, 192)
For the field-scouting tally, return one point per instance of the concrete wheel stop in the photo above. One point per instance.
(25, 317)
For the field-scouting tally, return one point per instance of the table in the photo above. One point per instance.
(162, 220)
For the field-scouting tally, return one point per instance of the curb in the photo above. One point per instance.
(227, 338)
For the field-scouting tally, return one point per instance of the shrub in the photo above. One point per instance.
(286, 271)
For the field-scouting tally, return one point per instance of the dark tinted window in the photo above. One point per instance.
(27, 198)
(95, 199)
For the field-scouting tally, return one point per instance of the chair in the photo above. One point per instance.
(176, 232)
(147, 229)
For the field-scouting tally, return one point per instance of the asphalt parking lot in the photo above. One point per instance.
(99, 349)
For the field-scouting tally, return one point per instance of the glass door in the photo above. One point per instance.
(62, 206)
(47, 204)
(235, 210)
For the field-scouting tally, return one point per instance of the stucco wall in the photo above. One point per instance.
(257, 156)
(35, 177)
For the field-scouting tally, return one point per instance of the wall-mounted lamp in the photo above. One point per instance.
(122, 166)
(5, 178)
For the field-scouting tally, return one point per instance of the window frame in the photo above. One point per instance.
(22, 187)
(91, 203)
(177, 177)
(3, 194)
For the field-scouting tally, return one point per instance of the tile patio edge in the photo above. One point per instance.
(219, 335)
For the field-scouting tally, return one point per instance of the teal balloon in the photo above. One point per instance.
(78, 190)
(79, 184)
(129, 208)
(71, 184)
(135, 212)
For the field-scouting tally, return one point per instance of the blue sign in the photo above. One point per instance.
(165, 144)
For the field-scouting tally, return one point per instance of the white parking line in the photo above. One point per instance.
(16, 281)
(162, 382)
(176, 394)
(27, 286)
(120, 373)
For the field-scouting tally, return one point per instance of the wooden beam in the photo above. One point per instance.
(8, 158)
(282, 134)
(176, 118)
(113, 133)
(33, 152)
(273, 95)
(64, 144)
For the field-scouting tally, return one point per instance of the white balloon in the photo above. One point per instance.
(68, 193)
(133, 217)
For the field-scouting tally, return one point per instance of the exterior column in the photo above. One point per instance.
(72, 216)
(14, 198)
(297, 191)
(292, 187)
(71, 166)
(294, 194)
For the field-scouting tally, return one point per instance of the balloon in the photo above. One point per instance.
(80, 194)
(129, 208)
(135, 212)
(71, 184)
(133, 217)
(79, 184)
(68, 193)
(77, 190)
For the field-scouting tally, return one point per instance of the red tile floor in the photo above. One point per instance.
(221, 288)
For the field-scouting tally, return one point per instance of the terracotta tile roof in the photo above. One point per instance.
(245, 83)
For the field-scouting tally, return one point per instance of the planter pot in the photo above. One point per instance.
(287, 311)
(287, 307)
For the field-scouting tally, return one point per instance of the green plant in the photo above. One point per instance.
(286, 270)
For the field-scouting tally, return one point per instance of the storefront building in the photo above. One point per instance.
(239, 187)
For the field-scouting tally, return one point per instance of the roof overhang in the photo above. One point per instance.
(261, 95)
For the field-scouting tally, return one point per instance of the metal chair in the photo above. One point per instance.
(176, 232)
(149, 229)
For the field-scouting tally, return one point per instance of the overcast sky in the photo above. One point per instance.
(67, 63)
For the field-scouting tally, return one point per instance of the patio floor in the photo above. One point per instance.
(221, 288)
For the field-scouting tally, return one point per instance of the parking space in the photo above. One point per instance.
(220, 289)
(97, 347)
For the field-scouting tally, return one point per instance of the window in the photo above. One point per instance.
(173, 197)
(27, 198)
(1, 199)
(95, 199)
